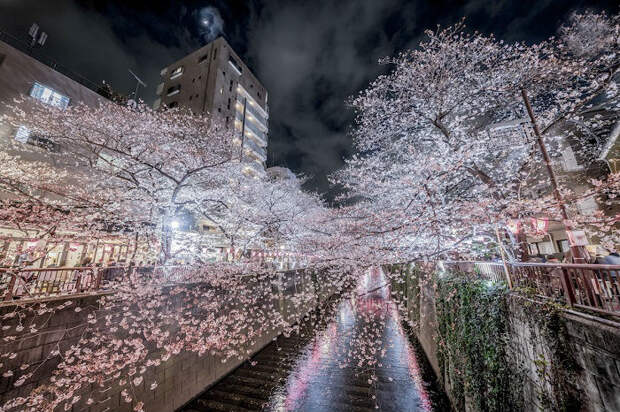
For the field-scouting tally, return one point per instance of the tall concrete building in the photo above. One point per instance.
(213, 79)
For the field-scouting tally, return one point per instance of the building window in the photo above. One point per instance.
(172, 105)
(176, 72)
(49, 96)
(229, 103)
(231, 86)
(563, 245)
(174, 90)
(235, 65)
(203, 58)
(190, 97)
(215, 53)
(221, 90)
(22, 134)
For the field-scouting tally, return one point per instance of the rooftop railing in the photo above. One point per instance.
(25, 47)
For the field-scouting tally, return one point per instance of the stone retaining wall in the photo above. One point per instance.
(594, 344)
(179, 379)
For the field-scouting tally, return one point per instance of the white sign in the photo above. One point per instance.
(577, 237)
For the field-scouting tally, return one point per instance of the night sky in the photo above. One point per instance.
(311, 55)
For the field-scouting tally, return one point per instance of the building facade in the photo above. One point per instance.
(21, 74)
(577, 158)
(213, 79)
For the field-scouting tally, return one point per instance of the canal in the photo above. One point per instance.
(352, 356)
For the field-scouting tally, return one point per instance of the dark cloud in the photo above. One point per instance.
(101, 42)
(314, 55)
(311, 55)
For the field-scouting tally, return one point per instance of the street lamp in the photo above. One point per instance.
(175, 224)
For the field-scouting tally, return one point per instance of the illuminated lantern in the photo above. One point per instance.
(540, 225)
(514, 226)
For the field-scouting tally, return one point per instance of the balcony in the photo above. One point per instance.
(257, 151)
(252, 130)
(254, 168)
(257, 117)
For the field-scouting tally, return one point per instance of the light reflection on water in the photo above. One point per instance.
(363, 357)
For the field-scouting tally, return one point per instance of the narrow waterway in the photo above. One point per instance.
(360, 359)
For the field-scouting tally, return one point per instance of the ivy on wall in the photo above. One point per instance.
(478, 365)
(472, 334)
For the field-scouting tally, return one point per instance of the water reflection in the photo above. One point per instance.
(363, 360)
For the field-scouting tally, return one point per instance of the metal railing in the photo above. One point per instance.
(33, 283)
(584, 286)
(27, 283)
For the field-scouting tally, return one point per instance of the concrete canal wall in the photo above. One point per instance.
(553, 358)
(179, 379)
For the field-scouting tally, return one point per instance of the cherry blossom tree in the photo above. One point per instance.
(446, 151)
(120, 166)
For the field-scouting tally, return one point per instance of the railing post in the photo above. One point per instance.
(587, 277)
(567, 285)
(97, 275)
(9, 291)
(501, 251)
(77, 281)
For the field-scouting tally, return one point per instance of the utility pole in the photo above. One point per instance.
(575, 250)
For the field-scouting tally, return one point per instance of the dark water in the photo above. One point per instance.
(361, 359)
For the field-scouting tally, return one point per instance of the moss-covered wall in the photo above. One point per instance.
(493, 349)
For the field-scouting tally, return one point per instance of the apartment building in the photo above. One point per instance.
(577, 156)
(213, 79)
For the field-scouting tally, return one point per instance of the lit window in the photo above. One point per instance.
(174, 90)
(49, 96)
(22, 134)
(176, 72)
